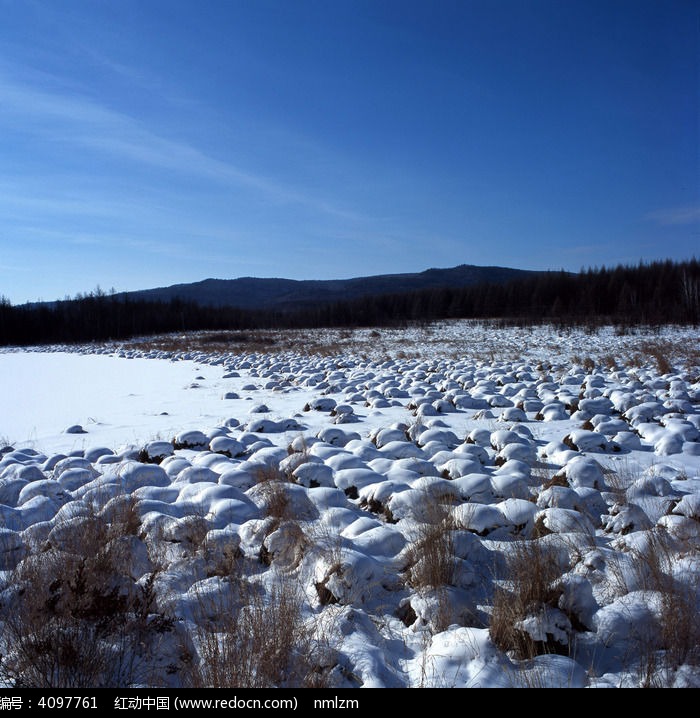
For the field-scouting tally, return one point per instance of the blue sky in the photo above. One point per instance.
(150, 142)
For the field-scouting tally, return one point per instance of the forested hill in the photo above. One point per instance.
(290, 294)
(656, 293)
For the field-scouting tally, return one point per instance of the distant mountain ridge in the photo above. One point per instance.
(291, 294)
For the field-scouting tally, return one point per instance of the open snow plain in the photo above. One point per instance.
(445, 506)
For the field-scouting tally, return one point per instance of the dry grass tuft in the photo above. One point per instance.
(75, 618)
(659, 352)
(274, 488)
(431, 555)
(530, 588)
(431, 560)
(678, 639)
(255, 639)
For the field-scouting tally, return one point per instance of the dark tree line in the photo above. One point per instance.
(655, 293)
(96, 317)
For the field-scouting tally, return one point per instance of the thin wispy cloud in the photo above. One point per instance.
(28, 201)
(80, 121)
(675, 216)
(42, 239)
(33, 211)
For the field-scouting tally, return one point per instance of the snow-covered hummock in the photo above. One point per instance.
(341, 474)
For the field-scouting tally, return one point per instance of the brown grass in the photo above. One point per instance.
(678, 640)
(274, 490)
(659, 352)
(328, 343)
(431, 559)
(258, 639)
(73, 618)
(531, 584)
(431, 555)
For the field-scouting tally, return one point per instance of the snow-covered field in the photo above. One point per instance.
(449, 505)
